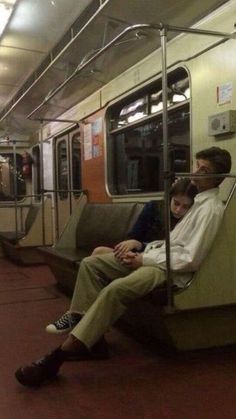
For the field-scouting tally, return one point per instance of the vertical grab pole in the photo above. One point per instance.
(15, 187)
(166, 164)
(42, 183)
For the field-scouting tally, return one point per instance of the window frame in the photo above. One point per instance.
(175, 76)
(20, 196)
(63, 194)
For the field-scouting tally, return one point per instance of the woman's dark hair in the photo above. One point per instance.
(184, 187)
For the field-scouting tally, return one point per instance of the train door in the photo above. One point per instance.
(68, 176)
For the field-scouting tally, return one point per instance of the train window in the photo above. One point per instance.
(7, 177)
(76, 163)
(132, 112)
(62, 169)
(36, 172)
(134, 140)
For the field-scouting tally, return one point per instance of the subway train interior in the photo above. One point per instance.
(103, 105)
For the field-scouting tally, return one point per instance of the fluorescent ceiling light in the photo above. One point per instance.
(6, 9)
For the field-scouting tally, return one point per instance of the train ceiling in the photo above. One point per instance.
(47, 41)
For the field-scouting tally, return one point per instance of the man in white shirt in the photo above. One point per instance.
(105, 286)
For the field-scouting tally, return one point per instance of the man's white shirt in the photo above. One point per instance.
(191, 239)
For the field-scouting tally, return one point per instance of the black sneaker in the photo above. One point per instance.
(65, 324)
(45, 369)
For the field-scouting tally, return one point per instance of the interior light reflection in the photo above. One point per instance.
(6, 9)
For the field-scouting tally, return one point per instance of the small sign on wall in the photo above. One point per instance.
(224, 93)
(87, 142)
(93, 139)
(97, 137)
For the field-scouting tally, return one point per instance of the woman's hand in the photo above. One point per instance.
(133, 260)
(123, 247)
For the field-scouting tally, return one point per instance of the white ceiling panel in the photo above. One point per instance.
(4, 93)
(39, 24)
(16, 67)
(34, 29)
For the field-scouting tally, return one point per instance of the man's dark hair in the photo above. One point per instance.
(220, 158)
(184, 187)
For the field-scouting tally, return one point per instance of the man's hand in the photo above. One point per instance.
(133, 260)
(122, 248)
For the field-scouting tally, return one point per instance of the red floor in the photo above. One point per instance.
(134, 384)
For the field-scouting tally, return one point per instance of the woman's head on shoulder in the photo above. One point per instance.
(182, 195)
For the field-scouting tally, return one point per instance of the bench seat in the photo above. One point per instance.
(23, 249)
(90, 225)
(204, 313)
(11, 236)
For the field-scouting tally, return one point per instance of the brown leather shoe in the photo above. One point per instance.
(45, 369)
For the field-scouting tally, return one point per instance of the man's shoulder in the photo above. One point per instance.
(212, 205)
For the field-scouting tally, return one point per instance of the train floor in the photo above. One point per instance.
(135, 383)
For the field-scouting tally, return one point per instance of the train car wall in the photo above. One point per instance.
(208, 70)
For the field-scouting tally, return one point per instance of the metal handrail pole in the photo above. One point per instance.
(90, 60)
(21, 218)
(117, 38)
(72, 121)
(63, 190)
(205, 175)
(50, 190)
(42, 183)
(15, 187)
(166, 164)
(28, 196)
(197, 31)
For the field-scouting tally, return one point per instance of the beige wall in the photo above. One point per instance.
(207, 69)
(214, 68)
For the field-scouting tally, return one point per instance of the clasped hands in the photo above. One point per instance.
(125, 254)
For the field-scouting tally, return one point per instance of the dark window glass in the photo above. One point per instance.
(135, 146)
(63, 169)
(76, 163)
(7, 177)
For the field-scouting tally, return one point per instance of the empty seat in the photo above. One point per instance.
(91, 225)
(22, 247)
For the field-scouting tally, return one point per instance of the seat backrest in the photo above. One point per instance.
(214, 283)
(104, 224)
(31, 216)
(226, 187)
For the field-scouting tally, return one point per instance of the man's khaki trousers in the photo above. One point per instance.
(103, 290)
